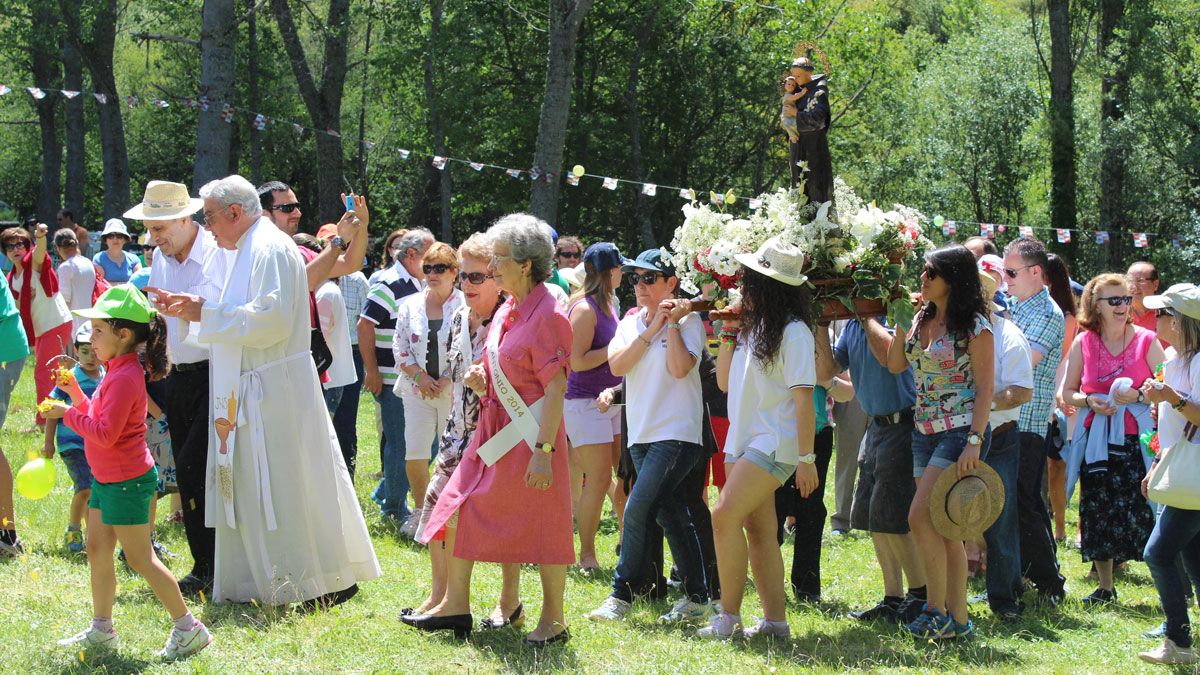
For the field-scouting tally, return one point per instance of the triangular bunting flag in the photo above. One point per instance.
(951, 228)
(572, 179)
(333, 133)
(161, 103)
(1025, 231)
(649, 189)
(260, 121)
(4, 89)
(1064, 236)
(1102, 237)
(478, 166)
(685, 193)
(610, 183)
(716, 198)
(515, 173)
(299, 128)
(535, 173)
(69, 94)
(204, 103)
(987, 230)
(36, 93)
(439, 162)
(405, 153)
(101, 98)
(755, 203)
(227, 113)
(1139, 240)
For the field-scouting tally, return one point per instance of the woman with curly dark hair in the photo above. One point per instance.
(767, 363)
(950, 350)
(1058, 280)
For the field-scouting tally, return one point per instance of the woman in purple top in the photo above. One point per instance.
(595, 436)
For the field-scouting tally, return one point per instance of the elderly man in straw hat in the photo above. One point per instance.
(288, 524)
(189, 261)
(1014, 387)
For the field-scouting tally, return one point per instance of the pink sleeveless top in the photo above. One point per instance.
(1101, 367)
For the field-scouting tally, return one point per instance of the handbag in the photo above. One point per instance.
(322, 357)
(1175, 479)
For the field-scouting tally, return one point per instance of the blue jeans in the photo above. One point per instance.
(657, 496)
(1004, 537)
(1175, 535)
(333, 396)
(9, 374)
(392, 492)
(345, 419)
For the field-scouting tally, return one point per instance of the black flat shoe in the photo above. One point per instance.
(407, 611)
(331, 599)
(515, 620)
(459, 623)
(538, 644)
(194, 585)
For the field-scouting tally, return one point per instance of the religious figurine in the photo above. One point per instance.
(809, 153)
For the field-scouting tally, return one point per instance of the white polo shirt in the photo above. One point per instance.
(658, 405)
(762, 415)
(1014, 365)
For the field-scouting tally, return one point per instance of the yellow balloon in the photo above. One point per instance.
(35, 480)
(730, 197)
(578, 170)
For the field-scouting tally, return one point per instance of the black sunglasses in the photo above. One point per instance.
(1164, 312)
(1118, 300)
(286, 208)
(648, 278)
(15, 246)
(439, 268)
(930, 272)
(1012, 273)
(569, 254)
(475, 278)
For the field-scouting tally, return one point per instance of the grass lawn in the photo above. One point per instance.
(45, 596)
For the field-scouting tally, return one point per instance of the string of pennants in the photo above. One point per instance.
(1062, 235)
(259, 121)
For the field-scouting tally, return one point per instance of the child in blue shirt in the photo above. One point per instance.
(88, 372)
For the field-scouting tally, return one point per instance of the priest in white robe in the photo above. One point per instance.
(288, 524)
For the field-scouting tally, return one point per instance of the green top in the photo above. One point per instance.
(557, 280)
(13, 345)
(822, 410)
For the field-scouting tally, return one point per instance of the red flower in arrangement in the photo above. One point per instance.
(1154, 447)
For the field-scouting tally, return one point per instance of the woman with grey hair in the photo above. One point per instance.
(509, 501)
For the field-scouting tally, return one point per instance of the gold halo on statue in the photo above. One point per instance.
(804, 45)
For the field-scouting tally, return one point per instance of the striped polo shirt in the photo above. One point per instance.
(388, 288)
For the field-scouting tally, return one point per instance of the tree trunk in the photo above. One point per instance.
(44, 62)
(76, 133)
(252, 83)
(323, 101)
(213, 135)
(1114, 91)
(361, 158)
(1062, 117)
(641, 203)
(565, 18)
(97, 50)
(435, 117)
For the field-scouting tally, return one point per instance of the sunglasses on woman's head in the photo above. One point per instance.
(286, 208)
(475, 278)
(1164, 312)
(439, 268)
(648, 278)
(1118, 300)
(569, 254)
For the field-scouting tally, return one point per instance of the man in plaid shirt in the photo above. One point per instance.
(1033, 311)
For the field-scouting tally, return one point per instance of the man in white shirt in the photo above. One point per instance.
(1013, 387)
(188, 262)
(76, 274)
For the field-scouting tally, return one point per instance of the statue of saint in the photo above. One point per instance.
(808, 142)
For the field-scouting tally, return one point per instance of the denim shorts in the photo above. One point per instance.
(77, 469)
(779, 471)
(939, 450)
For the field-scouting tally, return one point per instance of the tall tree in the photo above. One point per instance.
(566, 16)
(323, 101)
(76, 174)
(641, 204)
(213, 135)
(43, 38)
(1115, 41)
(435, 117)
(92, 29)
(252, 83)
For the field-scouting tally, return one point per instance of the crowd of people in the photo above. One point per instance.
(514, 396)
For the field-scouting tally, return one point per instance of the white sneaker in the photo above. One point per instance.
(409, 528)
(613, 609)
(91, 639)
(1168, 654)
(686, 611)
(184, 643)
(779, 629)
(722, 626)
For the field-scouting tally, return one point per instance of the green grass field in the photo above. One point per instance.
(44, 596)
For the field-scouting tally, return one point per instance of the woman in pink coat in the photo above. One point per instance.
(510, 498)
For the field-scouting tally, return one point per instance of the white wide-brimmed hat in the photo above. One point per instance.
(115, 226)
(776, 259)
(165, 201)
(1183, 298)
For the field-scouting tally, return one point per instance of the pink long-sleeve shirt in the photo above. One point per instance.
(113, 423)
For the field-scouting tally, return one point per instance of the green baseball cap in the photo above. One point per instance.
(120, 302)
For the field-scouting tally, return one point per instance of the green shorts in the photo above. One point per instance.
(126, 502)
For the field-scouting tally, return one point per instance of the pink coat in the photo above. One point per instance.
(500, 519)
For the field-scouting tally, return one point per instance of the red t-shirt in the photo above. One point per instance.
(113, 423)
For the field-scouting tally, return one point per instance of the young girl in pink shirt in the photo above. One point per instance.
(125, 329)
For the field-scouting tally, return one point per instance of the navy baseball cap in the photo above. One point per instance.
(651, 260)
(604, 256)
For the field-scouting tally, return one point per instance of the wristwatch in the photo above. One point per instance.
(546, 447)
(1183, 401)
(974, 438)
(338, 242)
(1141, 397)
(810, 458)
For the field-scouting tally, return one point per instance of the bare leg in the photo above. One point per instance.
(746, 488)
(576, 477)
(438, 563)
(596, 462)
(616, 493)
(101, 542)
(766, 560)
(1056, 480)
(458, 587)
(904, 548)
(510, 592)
(79, 507)
(135, 540)
(929, 543)
(8, 520)
(554, 585)
(956, 579)
(1104, 570)
(889, 565)
(418, 480)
